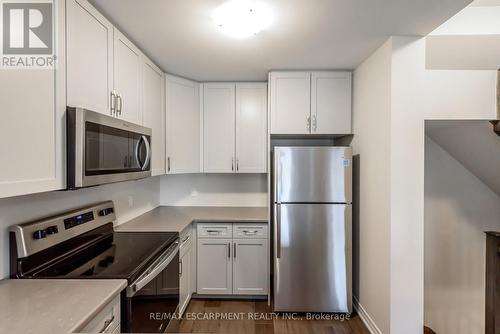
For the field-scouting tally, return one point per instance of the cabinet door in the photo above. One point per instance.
(154, 113)
(33, 106)
(251, 127)
(185, 280)
(127, 78)
(183, 125)
(214, 269)
(290, 102)
(89, 57)
(331, 102)
(218, 128)
(250, 274)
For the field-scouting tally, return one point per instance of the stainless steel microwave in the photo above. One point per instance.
(103, 149)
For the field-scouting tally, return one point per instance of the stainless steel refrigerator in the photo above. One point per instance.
(312, 229)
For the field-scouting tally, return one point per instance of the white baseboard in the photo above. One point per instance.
(365, 317)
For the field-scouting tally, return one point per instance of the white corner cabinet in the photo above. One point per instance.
(305, 102)
(153, 107)
(232, 259)
(234, 119)
(183, 119)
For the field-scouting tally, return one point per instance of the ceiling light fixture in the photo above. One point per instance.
(242, 18)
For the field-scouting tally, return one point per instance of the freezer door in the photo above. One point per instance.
(313, 174)
(312, 258)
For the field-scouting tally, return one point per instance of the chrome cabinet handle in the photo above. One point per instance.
(185, 239)
(234, 250)
(237, 164)
(112, 103)
(250, 232)
(168, 164)
(120, 104)
(232, 164)
(308, 123)
(229, 250)
(180, 268)
(315, 123)
(213, 231)
(107, 325)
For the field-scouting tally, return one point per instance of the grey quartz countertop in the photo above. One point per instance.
(53, 305)
(177, 218)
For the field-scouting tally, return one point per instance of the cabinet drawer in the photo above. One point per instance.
(250, 231)
(107, 320)
(213, 230)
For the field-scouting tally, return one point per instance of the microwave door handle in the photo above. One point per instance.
(153, 272)
(144, 164)
(148, 152)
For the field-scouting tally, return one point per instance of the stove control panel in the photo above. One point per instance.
(78, 219)
(44, 233)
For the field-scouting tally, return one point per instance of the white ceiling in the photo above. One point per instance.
(306, 34)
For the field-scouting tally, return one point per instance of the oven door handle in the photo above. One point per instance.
(152, 272)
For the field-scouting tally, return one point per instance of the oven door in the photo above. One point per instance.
(152, 300)
(103, 149)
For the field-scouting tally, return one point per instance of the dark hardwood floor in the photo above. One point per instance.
(194, 320)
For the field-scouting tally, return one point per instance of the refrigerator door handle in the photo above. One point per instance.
(278, 231)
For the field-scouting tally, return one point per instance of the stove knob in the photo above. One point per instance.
(52, 230)
(40, 234)
(105, 212)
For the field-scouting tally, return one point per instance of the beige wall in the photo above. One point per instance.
(458, 209)
(371, 228)
(130, 198)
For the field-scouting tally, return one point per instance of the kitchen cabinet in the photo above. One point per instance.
(186, 269)
(317, 102)
(218, 128)
(89, 57)
(32, 127)
(234, 127)
(232, 259)
(251, 127)
(250, 266)
(154, 113)
(214, 270)
(107, 320)
(182, 125)
(331, 102)
(290, 98)
(127, 78)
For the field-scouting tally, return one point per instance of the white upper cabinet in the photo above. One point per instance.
(310, 102)
(154, 113)
(182, 125)
(290, 102)
(33, 104)
(251, 127)
(331, 102)
(89, 57)
(127, 78)
(219, 128)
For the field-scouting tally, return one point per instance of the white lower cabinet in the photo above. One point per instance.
(214, 267)
(106, 321)
(250, 266)
(232, 266)
(186, 271)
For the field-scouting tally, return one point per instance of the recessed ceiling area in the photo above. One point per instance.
(182, 37)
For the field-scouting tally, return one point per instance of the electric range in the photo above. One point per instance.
(82, 244)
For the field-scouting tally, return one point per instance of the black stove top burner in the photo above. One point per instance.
(120, 255)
